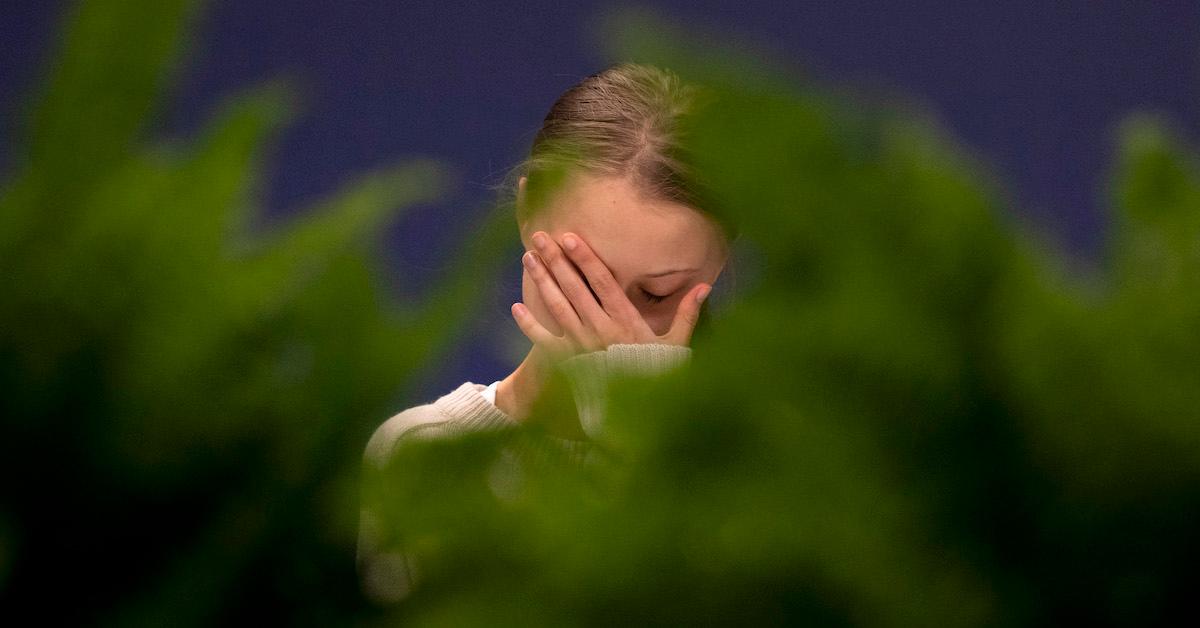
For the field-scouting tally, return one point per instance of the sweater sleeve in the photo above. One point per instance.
(589, 375)
(387, 573)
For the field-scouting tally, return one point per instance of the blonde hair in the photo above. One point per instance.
(628, 120)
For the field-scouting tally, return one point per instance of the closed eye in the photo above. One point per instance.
(654, 298)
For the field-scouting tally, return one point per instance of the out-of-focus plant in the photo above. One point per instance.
(917, 413)
(914, 413)
(185, 390)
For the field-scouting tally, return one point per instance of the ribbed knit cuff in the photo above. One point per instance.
(469, 411)
(589, 375)
(645, 359)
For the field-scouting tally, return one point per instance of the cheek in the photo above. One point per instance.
(659, 319)
(532, 299)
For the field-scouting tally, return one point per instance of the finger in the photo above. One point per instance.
(558, 305)
(686, 315)
(569, 281)
(532, 329)
(611, 296)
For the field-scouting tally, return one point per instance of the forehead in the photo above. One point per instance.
(632, 234)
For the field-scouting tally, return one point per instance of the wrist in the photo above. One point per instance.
(509, 399)
(517, 393)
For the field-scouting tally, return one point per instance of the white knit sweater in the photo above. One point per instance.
(387, 574)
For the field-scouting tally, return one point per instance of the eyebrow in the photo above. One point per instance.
(670, 272)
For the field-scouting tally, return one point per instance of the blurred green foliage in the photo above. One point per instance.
(917, 411)
(186, 388)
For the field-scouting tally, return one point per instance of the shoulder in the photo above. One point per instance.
(424, 420)
(462, 410)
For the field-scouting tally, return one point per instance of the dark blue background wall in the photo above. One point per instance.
(1035, 88)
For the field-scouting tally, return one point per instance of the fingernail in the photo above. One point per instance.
(530, 259)
(539, 240)
(569, 243)
(703, 294)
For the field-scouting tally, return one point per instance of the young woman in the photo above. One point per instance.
(619, 259)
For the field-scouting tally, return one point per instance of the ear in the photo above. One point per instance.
(522, 216)
(726, 248)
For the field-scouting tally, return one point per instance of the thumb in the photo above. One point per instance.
(687, 315)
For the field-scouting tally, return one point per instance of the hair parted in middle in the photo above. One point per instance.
(627, 121)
